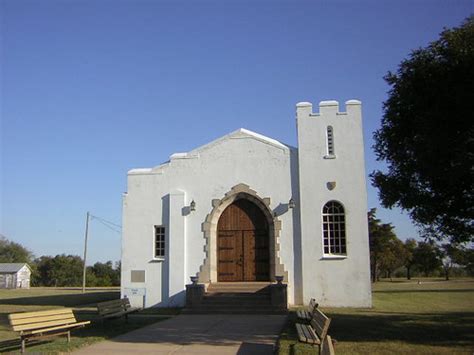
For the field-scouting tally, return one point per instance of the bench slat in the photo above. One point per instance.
(115, 308)
(306, 334)
(327, 347)
(105, 309)
(119, 314)
(303, 314)
(77, 324)
(41, 325)
(307, 314)
(301, 335)
(320, 323)
(32, 320)
(109, 303)
(22, 315)
(111, 312)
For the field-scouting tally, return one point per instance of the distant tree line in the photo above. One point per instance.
(390, 257)
(60, 270)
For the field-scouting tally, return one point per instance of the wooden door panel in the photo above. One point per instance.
(262, 256)
(243, 243)
(249, 255)
(229, 251)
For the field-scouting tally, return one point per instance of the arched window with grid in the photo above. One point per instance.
(334, 229)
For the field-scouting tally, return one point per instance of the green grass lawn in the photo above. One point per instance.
(36, 299)
(434, 317)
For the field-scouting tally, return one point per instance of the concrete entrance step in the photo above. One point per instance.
(236, 298)
(233, 309)
(235, 301)
(234, 287)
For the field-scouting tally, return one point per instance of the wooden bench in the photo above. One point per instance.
(44, 324)
(316, 332)
(116, 309)
(307, 314)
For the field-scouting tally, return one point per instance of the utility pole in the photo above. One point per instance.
(85, 254)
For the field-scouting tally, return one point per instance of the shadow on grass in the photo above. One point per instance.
(69, 300)
(440, 329)
(435, 329)
(425, 291)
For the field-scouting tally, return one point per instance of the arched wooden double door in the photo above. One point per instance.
(243, 243)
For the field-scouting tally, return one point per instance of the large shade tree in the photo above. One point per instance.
(427, 136)
(11, 252)
(59, 271)
(384, 246)
(409, 246)
(427, 257)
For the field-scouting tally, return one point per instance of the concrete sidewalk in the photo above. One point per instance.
(198, 334)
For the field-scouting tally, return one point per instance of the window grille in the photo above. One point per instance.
(159, 241)
(334, 229)
(330, 140)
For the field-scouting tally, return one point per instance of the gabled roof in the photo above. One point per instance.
(239, 133)
(242, 133)
(12, 267)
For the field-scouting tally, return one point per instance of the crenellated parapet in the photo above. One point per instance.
(328, 108)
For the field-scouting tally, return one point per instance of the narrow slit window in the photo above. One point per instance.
(334, 229)
(330, 140)
(159, 241)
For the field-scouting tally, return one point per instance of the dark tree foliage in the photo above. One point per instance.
(67, 271)
(103, 274)
(427, 257)
(59, 271)
(409, 246)
(460, 255)
(385, 247)
(452, 254)
(11, 252)
(427, 136)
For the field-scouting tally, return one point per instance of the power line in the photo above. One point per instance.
(111, 225)
(111, 228)
(108, 224)
(104, 220)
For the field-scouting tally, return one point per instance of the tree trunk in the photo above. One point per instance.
(446, 273)
(374, 269)
(408, 273)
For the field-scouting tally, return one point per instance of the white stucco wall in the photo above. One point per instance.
(333, 281)
(161, 196)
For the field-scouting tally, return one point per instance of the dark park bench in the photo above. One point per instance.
(316, 332)
(116, 309)
(307, 314)
(42, 324)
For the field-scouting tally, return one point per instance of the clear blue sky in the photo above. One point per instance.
(91, 89)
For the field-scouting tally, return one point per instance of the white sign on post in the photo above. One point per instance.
(136, 292)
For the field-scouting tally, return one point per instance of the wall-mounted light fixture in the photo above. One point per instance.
(192, 206)
(291, 203)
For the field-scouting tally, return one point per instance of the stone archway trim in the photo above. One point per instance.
(208, 270)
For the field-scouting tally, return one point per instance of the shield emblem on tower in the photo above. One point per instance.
(331, 185)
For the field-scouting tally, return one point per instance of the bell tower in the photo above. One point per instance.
(335, 249)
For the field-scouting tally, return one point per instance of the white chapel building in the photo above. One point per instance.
(248, 208)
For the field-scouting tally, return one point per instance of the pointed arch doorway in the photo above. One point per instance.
(243, 243)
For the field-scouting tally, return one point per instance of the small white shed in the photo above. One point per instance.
(14, 275)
